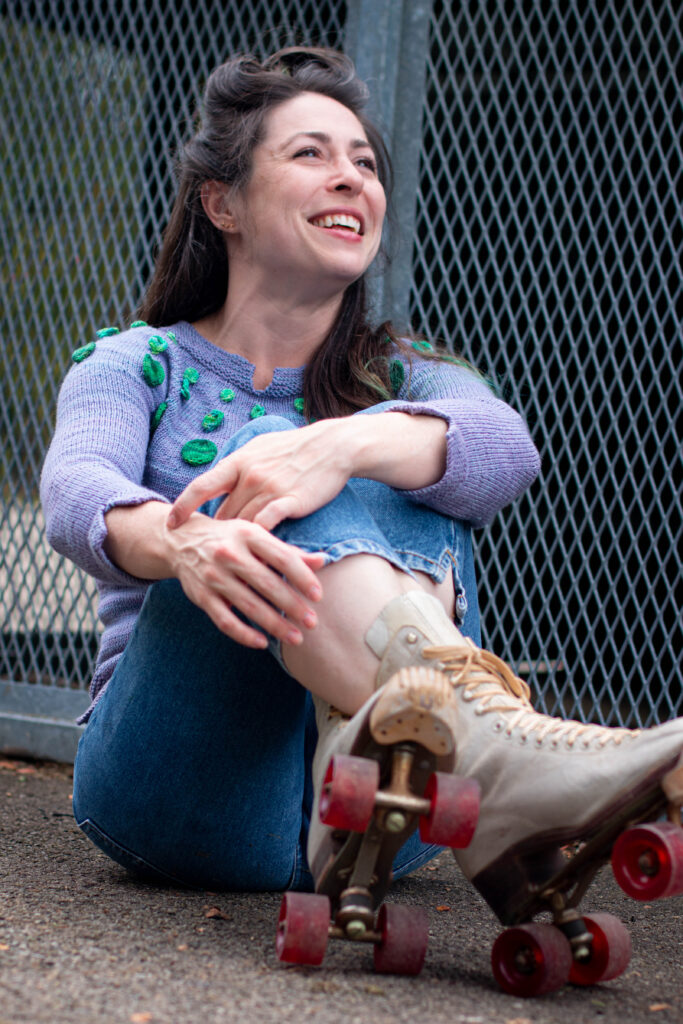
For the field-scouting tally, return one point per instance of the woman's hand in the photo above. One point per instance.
(291, 473)
(237, 564)
(275, 476)
(221, 565)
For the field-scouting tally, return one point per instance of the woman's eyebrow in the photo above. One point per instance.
(326, 139)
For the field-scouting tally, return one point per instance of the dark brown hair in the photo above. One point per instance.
(350, 370)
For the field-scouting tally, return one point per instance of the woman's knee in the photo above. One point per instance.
(260, 425)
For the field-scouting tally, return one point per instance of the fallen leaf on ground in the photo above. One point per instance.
(374, 990)
(660, 1006)
(181, 948)
(140, 1018)
(518, 1020)
(216, 912)
(3, 946)
(443, 907)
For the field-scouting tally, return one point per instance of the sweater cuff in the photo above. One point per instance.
(455, 475)
(103, 568)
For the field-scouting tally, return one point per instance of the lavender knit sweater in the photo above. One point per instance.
(141, 413)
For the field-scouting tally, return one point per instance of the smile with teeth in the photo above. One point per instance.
(338, 220)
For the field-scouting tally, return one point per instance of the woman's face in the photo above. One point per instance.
(311, 215)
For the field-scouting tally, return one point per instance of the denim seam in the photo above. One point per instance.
(87, 825)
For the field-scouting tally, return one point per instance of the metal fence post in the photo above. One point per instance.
(388, 42)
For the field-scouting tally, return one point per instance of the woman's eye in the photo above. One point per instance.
(368, 162)
(308, 151)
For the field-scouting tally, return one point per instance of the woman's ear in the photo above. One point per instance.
(214, 196)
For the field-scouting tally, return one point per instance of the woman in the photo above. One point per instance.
(338, 469)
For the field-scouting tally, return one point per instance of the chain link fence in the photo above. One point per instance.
(547, 245)
(549, 248)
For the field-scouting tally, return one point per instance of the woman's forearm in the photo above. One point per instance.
(403, 451)
(138, 541)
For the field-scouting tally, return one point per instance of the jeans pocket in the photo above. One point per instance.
(126, 858)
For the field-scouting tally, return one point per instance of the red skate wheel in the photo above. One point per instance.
(610, 951)
(454, 810)
(303, 928)
(647, 861)
(405, 936)
(348, 794)
(531, 959)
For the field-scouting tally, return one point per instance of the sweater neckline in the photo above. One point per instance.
(287, 380)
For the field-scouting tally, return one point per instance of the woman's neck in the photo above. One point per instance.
(269, 333)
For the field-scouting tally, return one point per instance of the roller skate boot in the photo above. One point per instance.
(559, 800)
(378, 776)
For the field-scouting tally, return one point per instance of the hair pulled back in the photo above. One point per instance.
(190, 280)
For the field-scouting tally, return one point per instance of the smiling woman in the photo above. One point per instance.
(275, 497)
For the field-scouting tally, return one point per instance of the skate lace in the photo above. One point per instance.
(488, 680)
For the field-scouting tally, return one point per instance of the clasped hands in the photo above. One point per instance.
(232, 559)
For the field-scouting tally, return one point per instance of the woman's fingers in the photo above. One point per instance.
(299, 567)
(206, 486)
(227, 622)
(265, 596)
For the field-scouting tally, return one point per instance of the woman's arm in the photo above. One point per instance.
(101, 515)
(455, 447)
(291, 473)
(220, 565)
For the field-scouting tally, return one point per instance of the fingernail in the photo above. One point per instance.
(171, 521)
(315, 592)
(310, 619)
(294, 637)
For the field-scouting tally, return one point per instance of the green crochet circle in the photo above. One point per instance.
(152, 371)
(299, 404)
(139, 323)
(191, 375)
(157, 414)
(213, 419)
(397, 375)
(83, 352)
(227, 394)
(423, 346)
(171, 335)
(107, 332)
(256, 411)
(199, 451)
(157, 343)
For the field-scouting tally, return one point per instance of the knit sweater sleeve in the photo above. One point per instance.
(96, 459)
(490, 457)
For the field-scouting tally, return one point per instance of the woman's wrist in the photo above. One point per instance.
(138, 541)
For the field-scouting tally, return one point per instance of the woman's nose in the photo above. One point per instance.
(347, 177)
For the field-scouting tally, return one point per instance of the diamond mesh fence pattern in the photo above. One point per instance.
(94, 99)
(549, 248)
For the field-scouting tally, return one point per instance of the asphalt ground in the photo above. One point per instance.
(83, 943)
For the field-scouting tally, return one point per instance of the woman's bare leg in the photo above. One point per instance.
(334, 662)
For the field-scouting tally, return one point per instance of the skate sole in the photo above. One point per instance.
(524, 880)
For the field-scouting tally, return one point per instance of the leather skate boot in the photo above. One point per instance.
(370, 773)
(374, 779)
(547, 783)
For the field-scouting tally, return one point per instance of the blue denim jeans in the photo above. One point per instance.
(195, 766)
